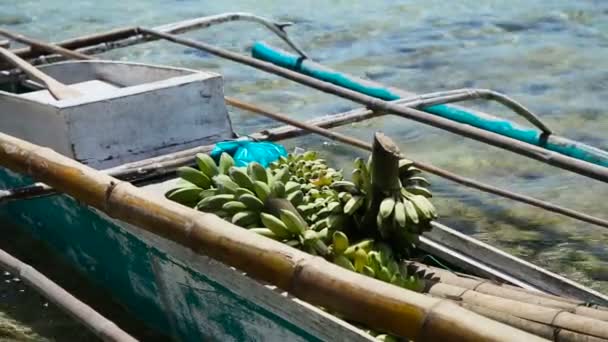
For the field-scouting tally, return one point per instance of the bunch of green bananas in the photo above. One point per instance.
(373, 259)
(302, 202)
(247, 196)
(309, 190)
(403, 214)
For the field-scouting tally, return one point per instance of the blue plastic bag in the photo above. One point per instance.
(246, 151)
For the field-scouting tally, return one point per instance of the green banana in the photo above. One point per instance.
(344, 196)
(264, 232)
(409, 172)
(234, 206)
(344, 186)
(375, 261)
(277, 189)
(281, 175)
(386, 207)
(384, 274)
(209, 192)
(292, 186)
(262, 190)
(226, 162)
(245, 218)
(296, 197)
(277, 226)
(186, 196)
(386, 338)
(240, 177)
(182, 183)
(257, 172)
(251, 202)
(206, 164)
(242, 191)
(318, 225)
(400, 214)
(353, 204)
(225, 184)
(357, 177)
(418, 180)
(343, 261)
(293, 222)
(194, 176)
(310, 155)
(410, 210)
(418, 190)
(368, 271)
(334, 207)
(214, 202)
(339, 242)
(424, 207)
(365, 244)
(170, 191)
(360, 258)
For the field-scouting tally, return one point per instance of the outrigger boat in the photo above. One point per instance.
(118, 123)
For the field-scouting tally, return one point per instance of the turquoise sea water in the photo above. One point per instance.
(550, 55)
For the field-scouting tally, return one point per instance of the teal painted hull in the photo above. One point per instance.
(165, 291)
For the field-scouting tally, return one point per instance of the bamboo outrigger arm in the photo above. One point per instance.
(40, 189)
(513, 145)
(103, 328)
(543, 139)
(164, 165)
(131, 36)
(466, 94)
(313, 279)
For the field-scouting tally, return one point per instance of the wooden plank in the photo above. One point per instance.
(485, 260)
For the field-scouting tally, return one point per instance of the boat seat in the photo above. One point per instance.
(87, 87)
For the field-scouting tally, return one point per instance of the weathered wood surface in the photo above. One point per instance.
(128, 112)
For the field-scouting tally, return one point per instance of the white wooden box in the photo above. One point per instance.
(128, 112)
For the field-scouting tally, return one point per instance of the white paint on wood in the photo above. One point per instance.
(128, 112)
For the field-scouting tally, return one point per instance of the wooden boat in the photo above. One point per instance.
(120, 126)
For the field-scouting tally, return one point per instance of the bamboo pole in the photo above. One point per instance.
(546, 315)
(362, 299)
(98, 43)
(525, 149)
(509, 292)
(92, 320)
(418, 100)
(484, 121)
(37, 44)
(424, 166)
(539, 329)
(163, 165)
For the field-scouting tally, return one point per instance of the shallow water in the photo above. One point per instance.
(550, 55)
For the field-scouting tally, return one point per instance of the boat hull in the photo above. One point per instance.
(173, 290)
